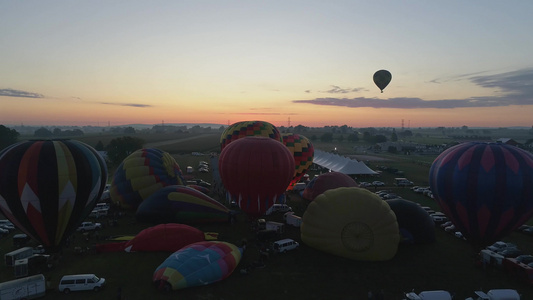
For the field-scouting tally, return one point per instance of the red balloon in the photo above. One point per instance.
(256, 171)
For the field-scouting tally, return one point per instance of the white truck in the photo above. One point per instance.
(23, 288)
(292, 219)
(15, 255)
(497, 294)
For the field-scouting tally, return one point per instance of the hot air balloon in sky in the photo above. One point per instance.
(485, 189)
(382, 78)
(248, 128)
(197, 264)
(48, 187)
(181, 204)
(256, 172)
(327, 181)
(141, 174)
(353, 223)
(303, 152)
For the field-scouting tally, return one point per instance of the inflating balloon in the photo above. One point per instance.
(256, 172)
(249, 128)
(416, 225)
(327, 181)
(303, 152)
(382, 78)
(141, 174)
(181, 204)
(48, 187)
(353, 223)
(164, 237)
(485, 189)
(197, 264)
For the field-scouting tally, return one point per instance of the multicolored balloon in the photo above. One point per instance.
(256, 172)
(248, 128)
(303, 153)
(327, 181)
(181, 204)
(141, 174)
(382, 78)
(48, 187)
(197, 264)
(353, 223)
(485, 189)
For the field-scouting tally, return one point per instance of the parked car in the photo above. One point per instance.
(364, 184)
(89, 226)
(284, 245)
(510, 252)
(524, 258)
(499, 245)
(378, 183)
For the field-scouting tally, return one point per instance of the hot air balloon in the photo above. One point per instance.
(48, 187)
(382, 78)
(485, 189)
(164, 237)
(141, 174)
(181, 204)
(256, 172)
(248, 128)
(302, 151)
(353, 223)
(416, 225)
(197, 264)
(327, 181)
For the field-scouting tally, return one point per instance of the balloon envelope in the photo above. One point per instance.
(303, 153)
(248, 128)
(48, 187)
(485, 189)
(181, 204)
(327, 181)
(165, 237)
(141, 174)
(382, 78)
(256, 172)
(197, 264)
(353, 223)
(416, 225)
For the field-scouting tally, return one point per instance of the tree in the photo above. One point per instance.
(353, 137)
(326, 137)
(129, 130)
(7, 136)
(394, 136)
(99, 146)
(380, 138)
(341, 138)
(43, 132)
(119, 148)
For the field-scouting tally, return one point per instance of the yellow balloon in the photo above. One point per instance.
(353, 223)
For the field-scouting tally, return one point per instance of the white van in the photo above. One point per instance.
(81, 282)
(284, 245)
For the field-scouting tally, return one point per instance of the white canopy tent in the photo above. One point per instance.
(341, 164)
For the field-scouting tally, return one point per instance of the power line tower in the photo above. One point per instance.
(289, 122)
(402, 124)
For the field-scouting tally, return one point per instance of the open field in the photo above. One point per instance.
(302, 274)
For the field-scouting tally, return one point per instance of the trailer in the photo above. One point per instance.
(15, 255)
(23, 288)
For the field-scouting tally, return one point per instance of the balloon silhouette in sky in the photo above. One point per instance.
(382, 78)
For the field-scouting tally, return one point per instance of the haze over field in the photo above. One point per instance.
(95, 63)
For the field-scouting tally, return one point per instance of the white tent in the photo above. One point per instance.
(341, 164)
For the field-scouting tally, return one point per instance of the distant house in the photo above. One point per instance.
(507, 141)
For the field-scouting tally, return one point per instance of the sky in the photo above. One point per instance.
(310, 63)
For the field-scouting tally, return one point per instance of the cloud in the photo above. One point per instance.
(127, 104)
(516, 89)
(17, 93)
(338, 90)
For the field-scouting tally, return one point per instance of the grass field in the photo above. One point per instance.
(302, 274)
